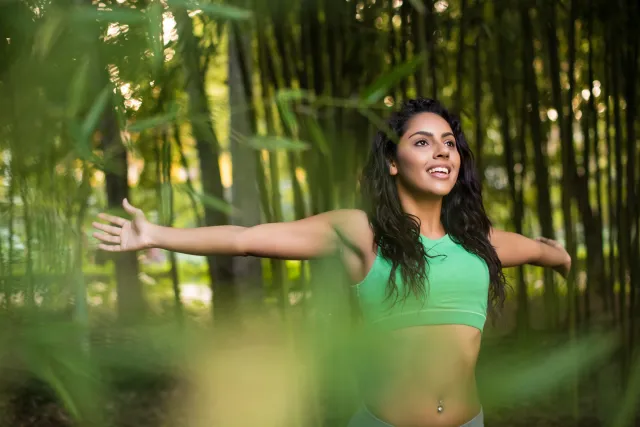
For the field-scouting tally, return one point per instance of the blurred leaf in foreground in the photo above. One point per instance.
(381, 86)
(210, 201)
(120, 15)
(519, 377)
(215, 10)
(628, 409)
(152, 122)
(273, 143)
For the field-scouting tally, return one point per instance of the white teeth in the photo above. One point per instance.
(439, 169)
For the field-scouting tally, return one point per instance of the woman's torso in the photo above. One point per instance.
(418, 364)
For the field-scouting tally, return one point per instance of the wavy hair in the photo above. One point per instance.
(397, 233)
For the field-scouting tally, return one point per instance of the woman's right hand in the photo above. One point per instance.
(124, 235)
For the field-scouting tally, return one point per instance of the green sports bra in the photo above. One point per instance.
(457, 290)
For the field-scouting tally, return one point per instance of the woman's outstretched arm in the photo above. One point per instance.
(514, 249)
(303, 239)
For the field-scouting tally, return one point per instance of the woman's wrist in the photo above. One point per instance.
(153, 238)
(554, 255)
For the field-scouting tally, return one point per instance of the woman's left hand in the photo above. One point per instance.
(564, 265)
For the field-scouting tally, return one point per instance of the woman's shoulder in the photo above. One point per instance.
(353, 228)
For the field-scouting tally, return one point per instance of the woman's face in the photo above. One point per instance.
(427, 158)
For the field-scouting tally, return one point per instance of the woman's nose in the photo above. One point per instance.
(441, 152)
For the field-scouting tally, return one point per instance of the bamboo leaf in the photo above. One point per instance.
(273, 143)
(629, 405)
(120, 15)
(288, 117)
(216, 10)
(318, 136)
(91, 120)
(288, 95)
(152, 122)
(49, 376)
(154, 13)
(209, 201)
(82, 145)
(487, 30)
(284, 98)
(529, 377)
(165, 203)
(379, 88)
(418, 5)
(78, 88)
(48, 34)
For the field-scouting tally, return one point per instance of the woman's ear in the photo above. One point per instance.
(393, 167)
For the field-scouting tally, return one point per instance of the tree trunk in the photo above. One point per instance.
(432, 40)
(502, 101)
(129, 289)
(220, 267)
(609, 295)
(404, 39)
(419, 48)
(631, 74)
(619, 178)
(540, 161)
(477, 91)
(391, 43)
(164, 168)
(596, 148)
(245, 194)
(580, 189)
(460, 57)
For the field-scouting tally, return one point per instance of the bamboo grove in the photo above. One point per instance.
(547, 91)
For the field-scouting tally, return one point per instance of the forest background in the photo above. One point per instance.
(209, 113)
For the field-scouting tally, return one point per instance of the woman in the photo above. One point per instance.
(425, 260)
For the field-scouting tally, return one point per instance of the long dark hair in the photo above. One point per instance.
(397, 233)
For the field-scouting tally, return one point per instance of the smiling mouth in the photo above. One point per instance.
(439, 170)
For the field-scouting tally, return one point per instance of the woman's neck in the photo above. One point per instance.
(427, 210)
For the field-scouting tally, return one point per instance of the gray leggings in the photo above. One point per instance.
(364, 418)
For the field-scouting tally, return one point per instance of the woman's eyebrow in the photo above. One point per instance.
(429, 134)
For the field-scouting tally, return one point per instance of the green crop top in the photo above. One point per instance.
(457, 290)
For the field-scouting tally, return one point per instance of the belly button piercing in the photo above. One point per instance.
(440, 406)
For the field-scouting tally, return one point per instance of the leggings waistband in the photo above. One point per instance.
(365, 418)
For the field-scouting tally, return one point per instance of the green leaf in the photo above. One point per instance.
(120, 15)
(487, 30)
(48, 34)
(273, 143)
(78, 87)
(165, 203)
(520, 377)
(625, 413)
(318, 135)
(215, 10)
(379, 123)
(288, 95)
(418, 5)
(154, 34)
(92, 118)
(152, 122)
(49, 376)
(378, 89)
(209, 201)
(284, 98)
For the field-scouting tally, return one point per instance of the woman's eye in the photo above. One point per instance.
(450, 143)
(421, 142)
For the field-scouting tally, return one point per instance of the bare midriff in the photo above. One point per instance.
(424, 369)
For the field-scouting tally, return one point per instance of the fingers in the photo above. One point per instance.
(107, 228)
(128, 207)
(545, 240)
(110, 248)
(107, 237)
(112, 219)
